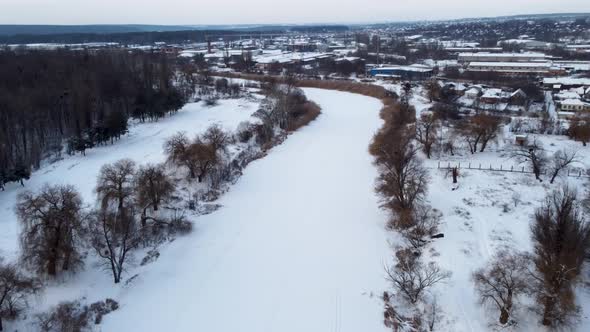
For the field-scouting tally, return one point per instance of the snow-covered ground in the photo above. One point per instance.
(143, 144)
(488, 211)
(299, 244)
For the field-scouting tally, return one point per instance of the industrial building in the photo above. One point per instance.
(502, 57)
(410, 73)
(514, 67)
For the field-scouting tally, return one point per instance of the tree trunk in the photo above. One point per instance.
(505, 310)
(455, 174)
(548, 312)
(66, 264)
(116, 276)
(51, 265)
(483, 146)
(504, 315)
(553, 176)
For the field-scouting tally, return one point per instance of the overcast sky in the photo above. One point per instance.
(266, 11)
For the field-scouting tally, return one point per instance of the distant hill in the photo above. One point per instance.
(11, 30)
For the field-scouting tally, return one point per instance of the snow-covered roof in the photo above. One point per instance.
(288, 57)
(564, 95)
(473, 90)
(511, 64)
(415, 68)
(573, 102)
(518, 92)
(503, 55)
(492, 93)
(566, 81)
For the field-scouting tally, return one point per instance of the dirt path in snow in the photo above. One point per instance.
(298, 246)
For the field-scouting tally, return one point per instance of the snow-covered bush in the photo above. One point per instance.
(73, 316)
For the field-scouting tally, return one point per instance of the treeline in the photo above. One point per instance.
(49, 98)
(180, 36)
(402, 185)
(141, 38)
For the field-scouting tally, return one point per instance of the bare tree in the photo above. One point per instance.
(152, 187)
(402, 181)
(503, 281)
(433, 313)
(561, 160)
(424, 223)
(534, 154)
(411, 277)
(488, 126)
(449, 143)
(176, 146)
(216, 137)
(204, 157)
(113, 239)
(561, 238)
(426, 132)
(396, 321)
(115, 185)
(15, 288)
(199, 156)
(180, 152)
(53, 221)
(480, 129)
(579, 129)
(433, 90)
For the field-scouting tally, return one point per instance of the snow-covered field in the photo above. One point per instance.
(490, 211)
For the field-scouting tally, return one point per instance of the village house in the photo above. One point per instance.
(518, 98)
(473, 92)
(573, 105)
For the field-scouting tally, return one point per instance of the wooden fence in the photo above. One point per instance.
(578, 173)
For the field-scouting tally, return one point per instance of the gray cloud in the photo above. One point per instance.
(266, 11)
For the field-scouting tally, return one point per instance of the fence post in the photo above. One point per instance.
(490, 167)
(449, 165)
(522, 171)
(469, 166)
(500, 166)
(438, 165)
(459, 165)
(511, 168)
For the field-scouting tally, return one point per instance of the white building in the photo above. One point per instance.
(573, 105)
(501, 57)
(512, 67)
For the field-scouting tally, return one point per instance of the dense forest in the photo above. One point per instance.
(51, 100)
